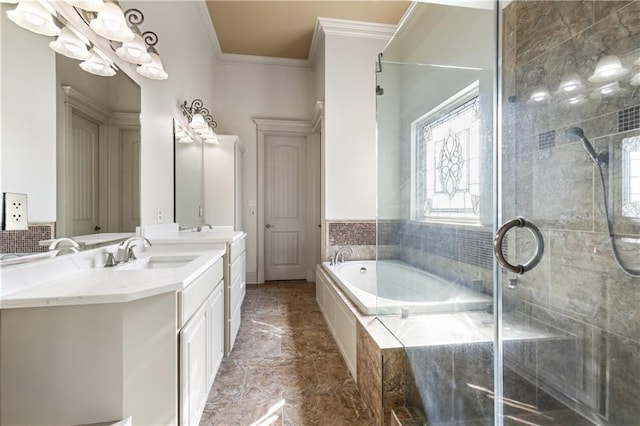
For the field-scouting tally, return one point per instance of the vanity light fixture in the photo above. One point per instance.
(70, 45)
(31, 15)
(135, 50)
(154, 69)
(111, 23)
(209, 136)
(199, 117)
(98, 64)
(608, 68)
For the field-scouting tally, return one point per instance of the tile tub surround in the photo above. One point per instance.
(26, 241)
(284, 352)
(359, 235)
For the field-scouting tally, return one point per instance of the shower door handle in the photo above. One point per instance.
(520, 222)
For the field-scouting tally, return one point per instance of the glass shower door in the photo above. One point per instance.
(570, 327)
(436, 209)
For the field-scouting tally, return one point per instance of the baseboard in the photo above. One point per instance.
(252, 278)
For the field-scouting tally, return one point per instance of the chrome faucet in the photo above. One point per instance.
(64, 244)
(199, 228)
(125, 249)
(338, 257)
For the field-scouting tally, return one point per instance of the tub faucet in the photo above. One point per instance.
(125, 249)
(339, 256)
(64, 244)
(199, 228)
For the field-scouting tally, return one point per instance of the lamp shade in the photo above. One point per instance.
(198, 123)
(97, 65)
(154, 69)
(92, 5)
(111, 24)
(608, 68)
(134, 51)
(70, 45)
(32, 16)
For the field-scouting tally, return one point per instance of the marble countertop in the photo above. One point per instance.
(204, 236)
(95, 239)
(80, 279)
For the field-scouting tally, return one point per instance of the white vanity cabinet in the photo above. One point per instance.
(235, 280)
(201, 318)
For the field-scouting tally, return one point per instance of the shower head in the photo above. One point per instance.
(577, 132)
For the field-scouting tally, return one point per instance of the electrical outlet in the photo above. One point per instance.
(14, 213)
(159, 216)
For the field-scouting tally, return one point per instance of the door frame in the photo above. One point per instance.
(273, 127)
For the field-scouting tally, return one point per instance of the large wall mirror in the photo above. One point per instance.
(89, 124)
(188, 176)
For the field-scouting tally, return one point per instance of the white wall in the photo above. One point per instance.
(28, 147)
(27, 118)
(245, 91)
(350, 126)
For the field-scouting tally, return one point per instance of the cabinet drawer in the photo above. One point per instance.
(234, 326)
(196, 293)
(237, 269)
(236, 248)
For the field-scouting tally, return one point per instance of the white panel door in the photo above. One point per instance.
(285, 178)
(82, 185)
(130, 215)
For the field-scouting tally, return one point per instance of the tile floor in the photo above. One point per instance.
(285, 366)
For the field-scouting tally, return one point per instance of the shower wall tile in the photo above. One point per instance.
(473, 381)
(562, 190)
(429, 373)
(541, 28)
(624, 380)
(604, 8)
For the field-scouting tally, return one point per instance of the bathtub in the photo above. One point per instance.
(402, 289)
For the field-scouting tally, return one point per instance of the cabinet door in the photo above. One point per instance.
(215, 317)
(193, 369)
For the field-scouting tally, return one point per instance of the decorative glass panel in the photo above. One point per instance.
(448, 164)
(631, 177)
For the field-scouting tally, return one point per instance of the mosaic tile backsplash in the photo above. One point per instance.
(26, 241)
(352, 233)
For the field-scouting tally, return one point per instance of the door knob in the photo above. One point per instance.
(269, 226)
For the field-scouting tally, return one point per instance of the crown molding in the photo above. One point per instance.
(275, 125)
(323, 26)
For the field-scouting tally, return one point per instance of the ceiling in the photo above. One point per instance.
(284, 29)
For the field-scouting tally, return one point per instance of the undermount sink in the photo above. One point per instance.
(158, 262)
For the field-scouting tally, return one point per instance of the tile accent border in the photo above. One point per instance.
(27, 241)
(360, 235)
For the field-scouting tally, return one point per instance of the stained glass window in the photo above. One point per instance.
(631, 177)
(448, 164)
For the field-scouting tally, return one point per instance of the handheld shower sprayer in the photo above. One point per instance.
(601, 160)
(598, 159)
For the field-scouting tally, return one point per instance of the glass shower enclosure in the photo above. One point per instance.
(508, 258)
